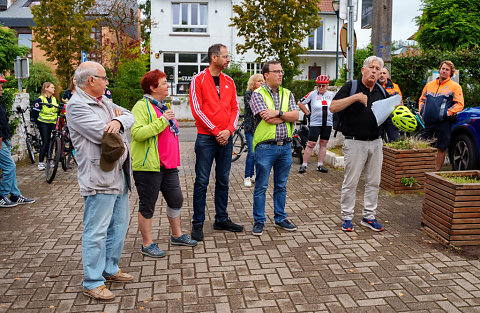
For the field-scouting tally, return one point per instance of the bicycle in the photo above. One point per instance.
(60, 149)
(33, 139)
(299, 140)
(238, 140)
(412, 106)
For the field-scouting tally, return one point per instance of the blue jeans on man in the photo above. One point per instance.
(207, 149)
(250, 159)
(105, 224)
(8, 184)
(268, 156)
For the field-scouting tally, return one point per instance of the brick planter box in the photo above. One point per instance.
(451, 212)
(406, 163)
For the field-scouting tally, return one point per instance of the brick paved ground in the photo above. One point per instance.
(316, 269)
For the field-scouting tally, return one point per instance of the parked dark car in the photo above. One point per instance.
(464, 150)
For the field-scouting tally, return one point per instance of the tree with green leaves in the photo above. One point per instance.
(9, 49)
(449, 25)
(62, 31)
(276, 29)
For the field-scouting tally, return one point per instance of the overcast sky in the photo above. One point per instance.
(403, 23)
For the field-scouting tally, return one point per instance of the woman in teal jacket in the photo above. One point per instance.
(155, 158)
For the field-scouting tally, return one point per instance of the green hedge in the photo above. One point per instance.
(300, 88)
(126, 97)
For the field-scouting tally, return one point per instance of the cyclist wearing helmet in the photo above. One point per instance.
(321, 120)
(440, 99)
(387, 127)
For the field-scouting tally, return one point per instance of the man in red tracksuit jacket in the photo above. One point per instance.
(213, 100)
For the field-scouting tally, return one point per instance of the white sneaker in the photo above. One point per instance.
(247, 182)
(41, 166)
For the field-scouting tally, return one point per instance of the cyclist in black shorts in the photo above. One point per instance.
(321, 120)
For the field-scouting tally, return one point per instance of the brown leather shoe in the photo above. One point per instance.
(120, 276)
(100, 293)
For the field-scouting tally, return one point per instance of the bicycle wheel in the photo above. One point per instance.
(53, 157)
(238, 145)
(65, 153)
(31, 152)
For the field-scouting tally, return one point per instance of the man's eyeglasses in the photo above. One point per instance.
(278, 72)
(105, 78)
(225, 56)
(322, 85)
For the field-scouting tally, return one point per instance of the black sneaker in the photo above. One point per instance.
(6, 203)
(287, 225)
(322, 169)
(257, 229)
(302, 169)
(21, 199)
(197, 232)
(227, 225)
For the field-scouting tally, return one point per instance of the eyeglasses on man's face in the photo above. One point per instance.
(105, 78)
(278, 72)
(322, 85)
(225, 56)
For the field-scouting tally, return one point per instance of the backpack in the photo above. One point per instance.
(338, 116)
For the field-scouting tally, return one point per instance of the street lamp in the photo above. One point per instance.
(336, 8)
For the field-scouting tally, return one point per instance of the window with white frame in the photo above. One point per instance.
(190, 17)
(254, 68)
(315, 40)
(181, 67)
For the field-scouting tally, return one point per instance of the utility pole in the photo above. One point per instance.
(382, 30)
(350, 40)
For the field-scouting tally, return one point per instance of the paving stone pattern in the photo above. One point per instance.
(319, 268)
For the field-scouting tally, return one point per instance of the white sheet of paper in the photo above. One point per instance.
(383, 108)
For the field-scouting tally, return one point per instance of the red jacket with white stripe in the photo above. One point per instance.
(213, 113)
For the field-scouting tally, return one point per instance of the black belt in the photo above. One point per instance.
(278, 143)
(361, 138)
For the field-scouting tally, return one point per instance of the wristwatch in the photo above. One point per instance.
(280, 113)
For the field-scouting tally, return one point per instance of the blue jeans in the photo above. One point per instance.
(105, 223)
(250, 160)
(208, 149)
(266, 157)
(8, 184)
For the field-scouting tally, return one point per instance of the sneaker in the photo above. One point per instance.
(6, 203)
(347, 225)
(247, 182)
(302, 169)
(322, 169)
(120, 276)
(287, 225)
(227, 225)
(257, 229)
(21, 199)
(153, 251)
(41, 166)
(183, 240)
(372, 224)
(100, 293)
(197, 232)
(252, 179)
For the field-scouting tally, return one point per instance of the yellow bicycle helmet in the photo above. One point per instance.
(403, 119)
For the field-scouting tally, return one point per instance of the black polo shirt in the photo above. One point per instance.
(359, 120)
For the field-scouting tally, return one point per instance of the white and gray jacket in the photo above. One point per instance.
(87, 120)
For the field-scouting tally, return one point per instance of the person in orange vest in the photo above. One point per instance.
(387, 129)
(441, 100)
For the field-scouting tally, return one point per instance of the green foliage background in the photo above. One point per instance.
(9, 49)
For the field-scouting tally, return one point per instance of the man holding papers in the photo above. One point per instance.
(362, 147)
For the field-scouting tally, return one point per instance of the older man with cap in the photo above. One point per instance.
(97, 128)
(8, 181)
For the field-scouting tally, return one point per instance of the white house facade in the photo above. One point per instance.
(182, 31)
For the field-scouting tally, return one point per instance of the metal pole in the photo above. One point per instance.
(336, 56)
(350, 43)
(19, 73)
